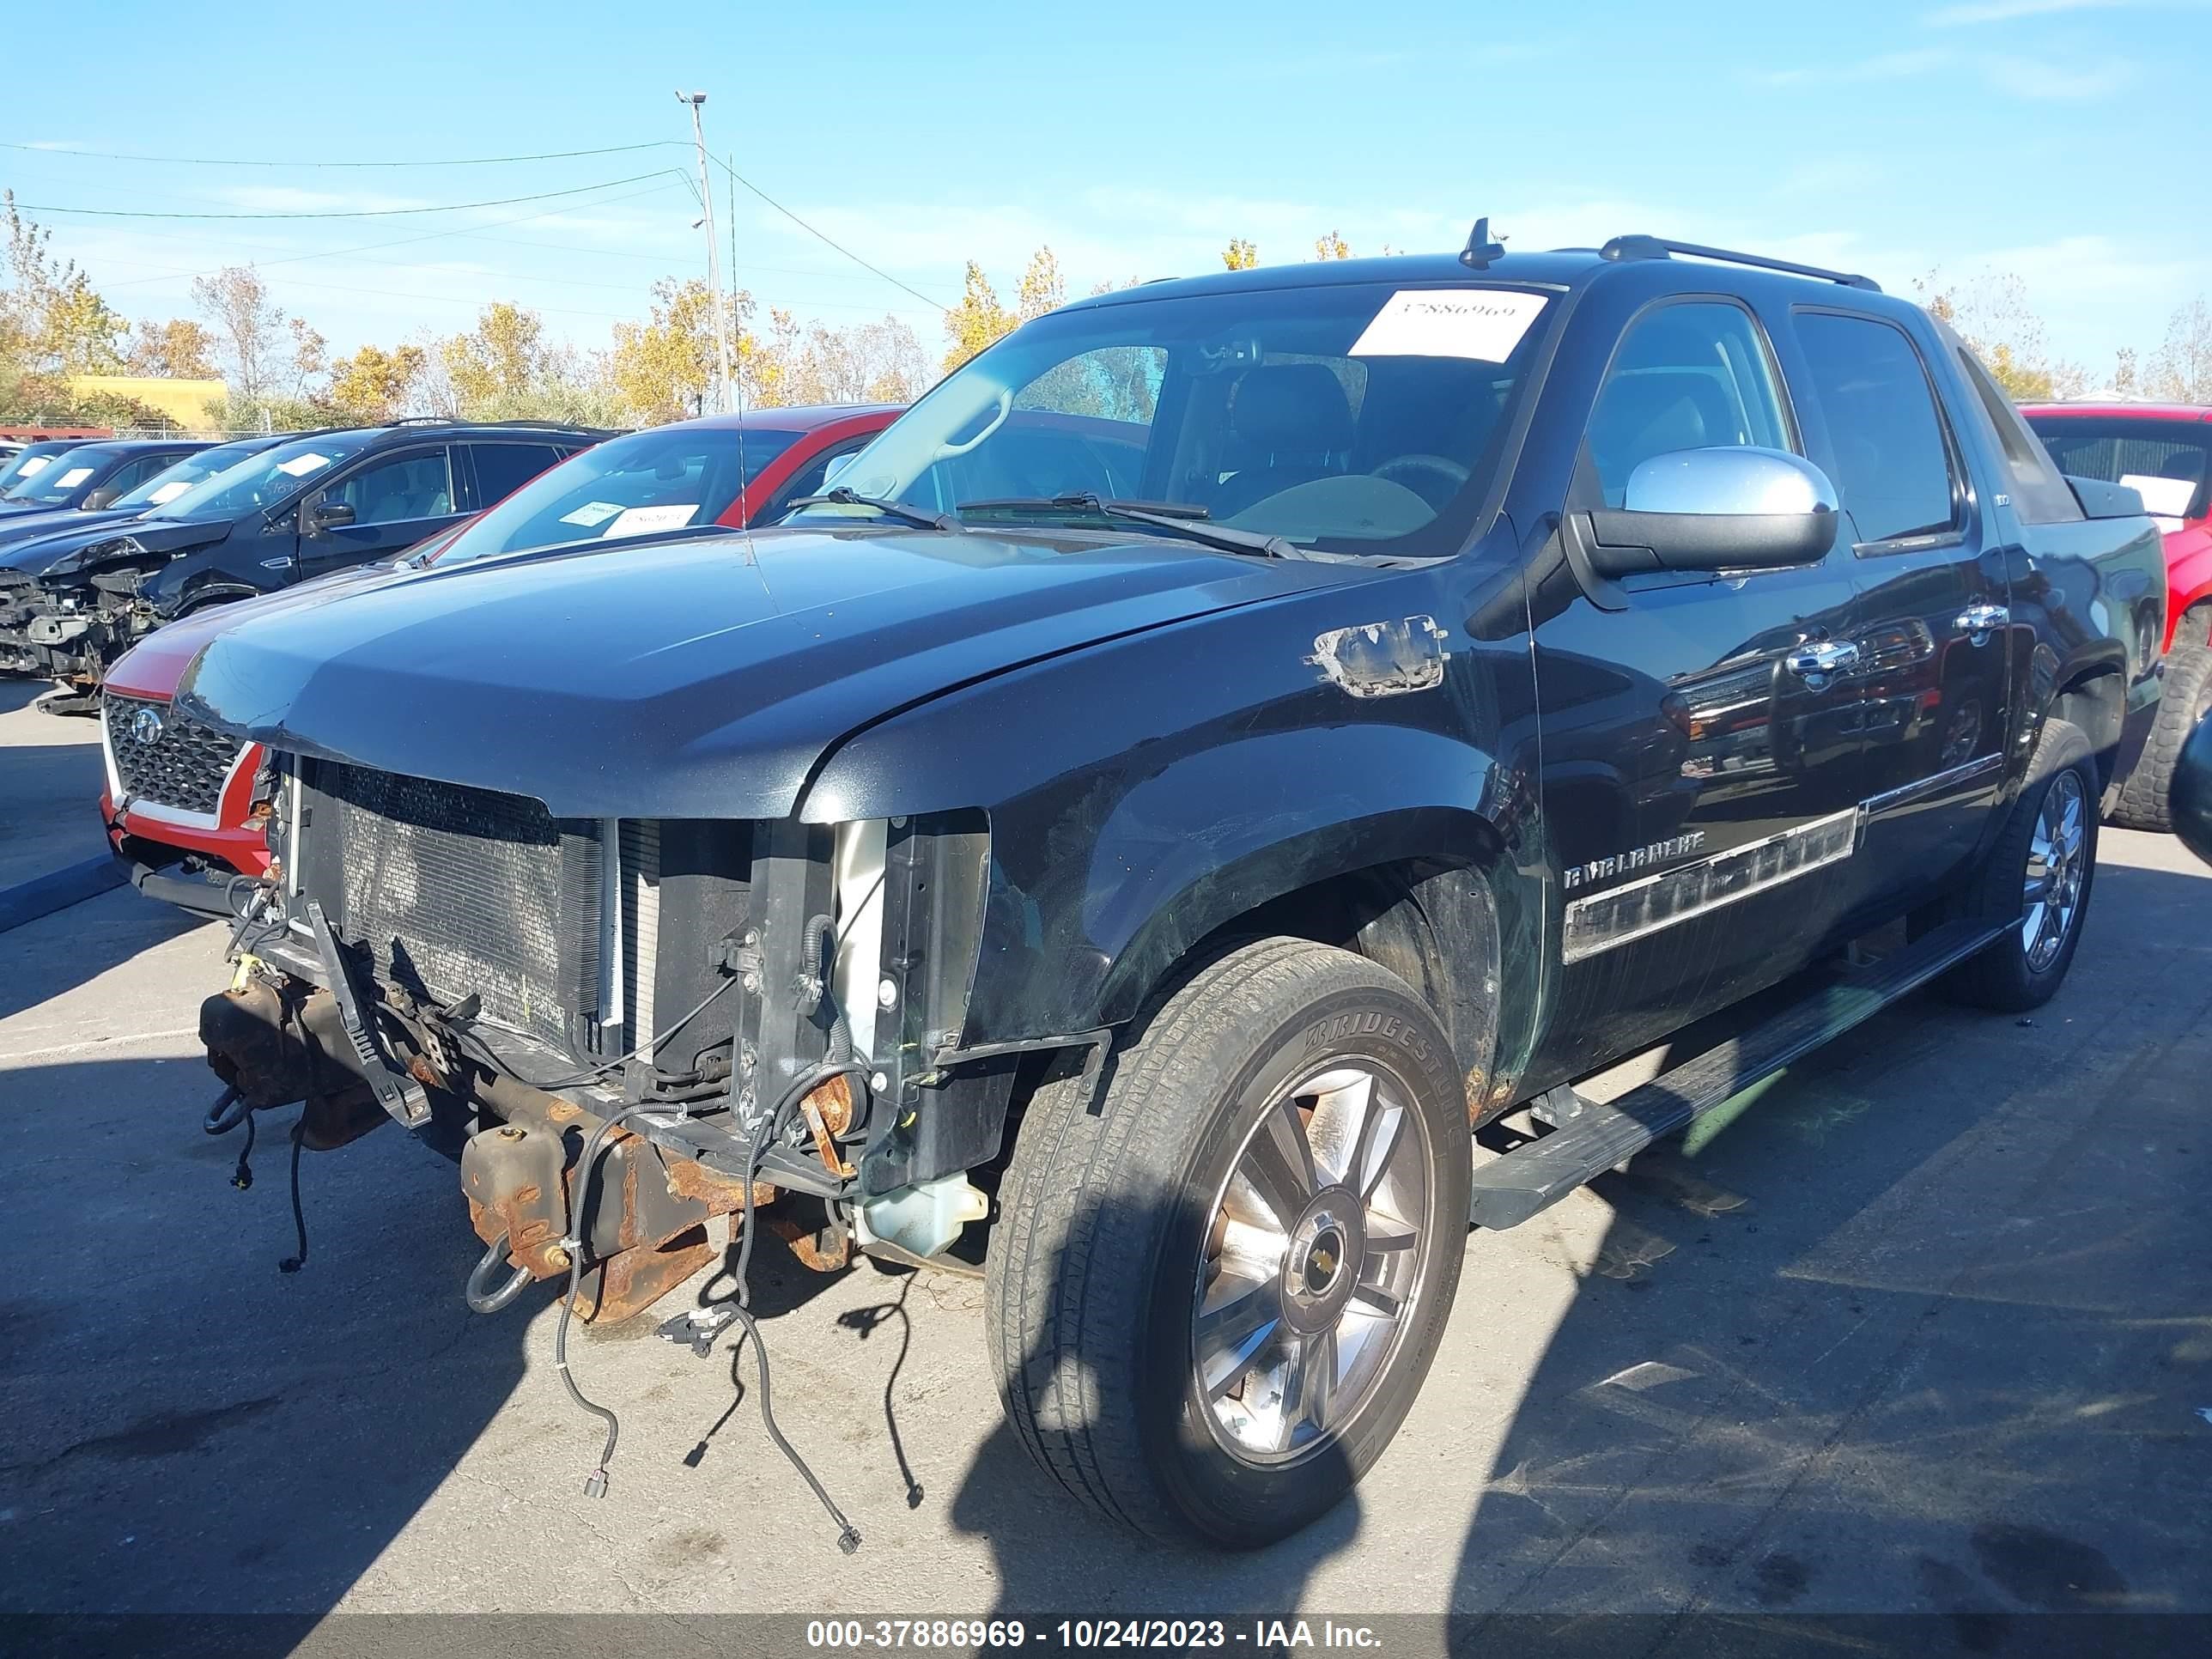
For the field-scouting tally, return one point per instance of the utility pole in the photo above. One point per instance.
(713, 257)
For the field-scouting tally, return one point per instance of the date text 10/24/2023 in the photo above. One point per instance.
(1259, 1635)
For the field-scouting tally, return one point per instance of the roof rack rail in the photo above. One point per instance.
(1656, 247)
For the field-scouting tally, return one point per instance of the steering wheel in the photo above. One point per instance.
(1433, 478)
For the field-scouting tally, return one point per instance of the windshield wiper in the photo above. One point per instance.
(845, 496)
(1181, 518)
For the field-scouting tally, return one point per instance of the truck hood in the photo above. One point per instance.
(700, 679)
(152, 667)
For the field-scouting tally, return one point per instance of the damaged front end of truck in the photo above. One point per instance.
(716, 1005)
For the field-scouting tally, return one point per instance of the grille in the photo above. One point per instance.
(181, 767)
(456, 890)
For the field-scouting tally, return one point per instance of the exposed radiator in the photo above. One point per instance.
(456, 890)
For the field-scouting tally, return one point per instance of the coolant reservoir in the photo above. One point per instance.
(925, 1218)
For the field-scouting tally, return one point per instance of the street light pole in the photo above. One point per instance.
(727, 381)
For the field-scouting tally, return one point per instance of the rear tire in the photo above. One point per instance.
(2144, 800)
(2037, 879)
(1193, 1342)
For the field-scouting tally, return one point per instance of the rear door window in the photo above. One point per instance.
(503, 468)
(1892, 456)
(2039, 495)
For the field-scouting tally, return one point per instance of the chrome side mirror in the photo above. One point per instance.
(1731, 508)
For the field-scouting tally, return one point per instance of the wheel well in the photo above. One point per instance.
(2096, 704)
(1431, 922)
(2195, 627)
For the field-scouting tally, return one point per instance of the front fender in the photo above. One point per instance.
(1145, 792)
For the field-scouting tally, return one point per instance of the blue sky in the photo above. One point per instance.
(2063, 140)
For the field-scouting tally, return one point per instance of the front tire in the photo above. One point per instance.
(1222, 1270)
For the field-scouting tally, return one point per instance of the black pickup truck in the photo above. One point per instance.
(1455, 674)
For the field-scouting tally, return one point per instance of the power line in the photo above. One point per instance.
(231, 161)
(353, 213)
(822, 236)
(431, 236)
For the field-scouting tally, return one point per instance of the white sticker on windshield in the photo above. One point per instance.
(301, 466)
(73, 477)
(168, 492)
(2167, 497)
(36, 463)
(636, 521)
(1481, 323)
(592, 512)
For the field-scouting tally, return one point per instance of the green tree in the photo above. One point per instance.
(664, 369)
(53, 321)
(977, 320)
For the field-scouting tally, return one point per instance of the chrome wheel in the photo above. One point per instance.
(2057, 865)
(1316, 1254)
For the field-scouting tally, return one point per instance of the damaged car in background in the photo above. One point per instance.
(1229, 741)
(36, 544)
(317, 502)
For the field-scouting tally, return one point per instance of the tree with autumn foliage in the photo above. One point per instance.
(1991, 313)
(374, 386)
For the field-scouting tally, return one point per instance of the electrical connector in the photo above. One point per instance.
(596, 1487)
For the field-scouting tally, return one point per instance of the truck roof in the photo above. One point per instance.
(1685, 267)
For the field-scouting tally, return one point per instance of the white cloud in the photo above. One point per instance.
(2007, 11)
(2017, 76)
(2028, 77)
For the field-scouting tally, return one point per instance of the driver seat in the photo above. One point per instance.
(1291, 423)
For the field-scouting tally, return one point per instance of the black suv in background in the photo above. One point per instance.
(93, 475)
(315, 503)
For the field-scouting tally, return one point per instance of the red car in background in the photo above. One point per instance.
(178, 800)
(2163, 451)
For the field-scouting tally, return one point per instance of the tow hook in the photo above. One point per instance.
(477, 1292)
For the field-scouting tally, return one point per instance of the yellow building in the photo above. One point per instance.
(184, 402)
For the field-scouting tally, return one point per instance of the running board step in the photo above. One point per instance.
(1530, 1179)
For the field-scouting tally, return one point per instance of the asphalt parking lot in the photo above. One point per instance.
(1927, 1328)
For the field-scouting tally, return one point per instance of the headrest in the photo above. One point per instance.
(1296, 407)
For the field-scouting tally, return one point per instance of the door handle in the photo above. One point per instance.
(1814, 663)
(1977, 621)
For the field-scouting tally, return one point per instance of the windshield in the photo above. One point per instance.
(69, 476)
(265, 480)
(658, 480)
(2168, 462)
(34, 459)
(172, 482)
(1361, 418)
